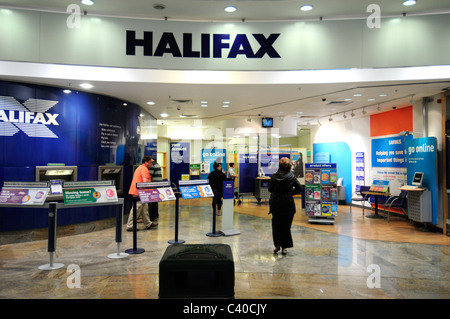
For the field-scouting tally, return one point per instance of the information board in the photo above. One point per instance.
(89, 192)
(24, 196)
(160, 194)
(379, 186)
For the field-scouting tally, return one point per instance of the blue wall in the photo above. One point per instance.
(74, 123)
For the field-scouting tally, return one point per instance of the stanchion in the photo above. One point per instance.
(52, 212)
(135, 250)
(119, 222)
(177, 215)
(214, 233)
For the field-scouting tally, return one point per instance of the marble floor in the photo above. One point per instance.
(321, 265)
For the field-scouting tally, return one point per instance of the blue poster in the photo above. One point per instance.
(422, 157)
(389, 151)
(179, 160)
(212, 155)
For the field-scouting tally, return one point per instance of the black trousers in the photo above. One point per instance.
(153, 211)
(281, 230)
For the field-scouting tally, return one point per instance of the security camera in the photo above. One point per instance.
(394, 107)
(324, 99)
(259, 114)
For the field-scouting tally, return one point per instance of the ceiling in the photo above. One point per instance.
(305, 102)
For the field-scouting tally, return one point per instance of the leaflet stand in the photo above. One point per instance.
(228, 210)
(152, 192)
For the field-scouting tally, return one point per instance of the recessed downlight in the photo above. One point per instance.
(87, 2)
(151, 103)
(230, 9)
(408, 3)
(164, 115)
(306, 7)
(86, 85)
(67, 91)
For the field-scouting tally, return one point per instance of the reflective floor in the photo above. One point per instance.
(321, 265)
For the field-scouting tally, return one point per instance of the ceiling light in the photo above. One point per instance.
(225, 105)
(67, 91)
(352, 114)
(204, 105)
(164, 115)
(151, 103)
(345, 116)
(408, 3)
(87, 2)
(330, 119)
(306, 7)
(364, 111)
(357, 94)
(230, 9)
(383, 95)
(124, 104)
(379, 108)
(370, 100)
(86, 85)
(226, 102)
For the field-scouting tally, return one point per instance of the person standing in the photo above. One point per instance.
(156, 176)
(282, 186)
(231, 174)
(141, 175)
(216, 179)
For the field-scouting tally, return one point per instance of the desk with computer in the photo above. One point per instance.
(417, 197)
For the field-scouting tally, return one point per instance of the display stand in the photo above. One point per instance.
(152, 192)
(200, 189)
(228, 210)
(377, 189)
(321, 197)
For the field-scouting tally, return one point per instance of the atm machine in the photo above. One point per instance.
(56, 175)
(112, 173)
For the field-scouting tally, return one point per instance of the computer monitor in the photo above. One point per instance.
(55, 175)
(112, 173)
(417, 179)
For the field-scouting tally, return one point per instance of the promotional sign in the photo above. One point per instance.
(89, 192)
(24, 196)
(389, 160)
(213, 155)
(422, 157)
(228, 190)
(379, 186)
(156, 194)
(195, 189)
(179, 160)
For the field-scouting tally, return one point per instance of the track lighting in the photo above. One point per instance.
(364, 112)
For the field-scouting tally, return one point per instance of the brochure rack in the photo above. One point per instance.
(321, 200)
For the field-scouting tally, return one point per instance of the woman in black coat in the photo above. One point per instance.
(282, 186)
(216, 179)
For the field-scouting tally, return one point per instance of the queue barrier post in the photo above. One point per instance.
(135, 250)
(52, 219)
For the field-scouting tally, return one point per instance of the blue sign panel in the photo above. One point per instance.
(228, 190)
(422, 157)
(389, 152)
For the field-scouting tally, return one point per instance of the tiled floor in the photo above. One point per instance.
(321, 265)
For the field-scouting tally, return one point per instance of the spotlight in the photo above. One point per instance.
(352, 114)
(330, 119)
(345, 116)
(364, 112)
